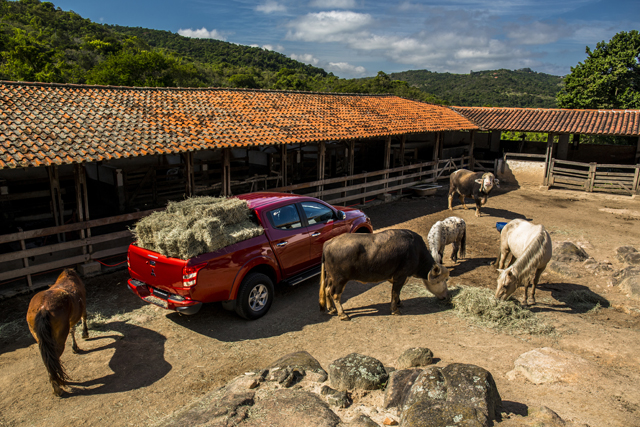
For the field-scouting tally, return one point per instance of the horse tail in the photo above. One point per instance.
(48, 348)
(463, 243)
(323, 290)
(435, 241)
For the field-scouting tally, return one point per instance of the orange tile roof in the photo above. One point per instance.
(593, 122)
(43, 124)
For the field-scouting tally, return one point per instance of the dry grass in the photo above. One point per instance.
(479, 306)
(196, 226)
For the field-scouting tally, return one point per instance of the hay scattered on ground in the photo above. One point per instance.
(481, 307)
(196, 226)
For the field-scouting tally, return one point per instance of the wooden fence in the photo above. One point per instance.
(29, 253)
(590, 177)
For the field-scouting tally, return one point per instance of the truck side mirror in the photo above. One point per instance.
(342, 215)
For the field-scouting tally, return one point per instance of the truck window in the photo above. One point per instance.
(285, 218)
(316, 213)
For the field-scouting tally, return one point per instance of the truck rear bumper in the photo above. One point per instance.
(163, 299)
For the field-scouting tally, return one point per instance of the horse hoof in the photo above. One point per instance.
(396, 313)
(332, 311)
(345, 318)
(85, 336)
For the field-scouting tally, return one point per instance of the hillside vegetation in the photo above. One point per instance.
(496, 88)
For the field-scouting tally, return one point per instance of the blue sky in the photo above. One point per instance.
(356, 38)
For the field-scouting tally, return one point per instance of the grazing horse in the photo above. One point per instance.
(392, 255)
(452, 230)
(52, 313)
(531, 248)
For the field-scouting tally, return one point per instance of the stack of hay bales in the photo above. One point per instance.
(196, 226)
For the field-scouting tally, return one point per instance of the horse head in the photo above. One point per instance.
(507, 283)
(436, 282)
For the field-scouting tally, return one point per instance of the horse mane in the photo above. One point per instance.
(528, 263)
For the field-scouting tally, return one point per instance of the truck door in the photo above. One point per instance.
(323, 225)
(289, 239)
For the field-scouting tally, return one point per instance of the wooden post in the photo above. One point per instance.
(592, 176)
(436, 155)
(547, 159)
(472, 142)
(551, 177)
(25, 261)
(636, 180)
(226, 172)
(352, 159)
(387, 159)
(56, 198)
(119, 179)
(283, 164)
(403, 142)
(188, 161)
(322, 154)
(82, 202)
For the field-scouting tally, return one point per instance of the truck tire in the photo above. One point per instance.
(254, 296)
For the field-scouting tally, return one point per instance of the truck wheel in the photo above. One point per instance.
(254, 296)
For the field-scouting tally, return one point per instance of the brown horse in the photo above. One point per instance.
(52, 313)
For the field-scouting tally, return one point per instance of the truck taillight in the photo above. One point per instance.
(190, 274)
(128, 263)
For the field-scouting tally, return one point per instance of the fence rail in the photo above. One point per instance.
(590, 177)
(30, 252)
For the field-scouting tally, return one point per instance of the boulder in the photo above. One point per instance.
(548, 365)
(301, 362)
(400, 383)
(563, 269)
(412, 357)
(625, 273)
(568, 252)
(336, 398)
(357, 371)
(631, 287)
(458, 394)
(291, 408)
(362, 421)
(628, 254)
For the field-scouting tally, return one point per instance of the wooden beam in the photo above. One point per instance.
(387, 158)
(226, 172)
(322, 152)
(82, 203)
(188, 161)
(472, 143)
(547, 160)
(56, 197)
(403, 143)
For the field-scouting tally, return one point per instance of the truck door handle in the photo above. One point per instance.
(282, 244)
(315, 234)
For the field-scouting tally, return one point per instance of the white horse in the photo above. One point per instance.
(531, 248)
(452, 230)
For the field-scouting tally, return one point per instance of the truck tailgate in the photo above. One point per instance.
(155, 269)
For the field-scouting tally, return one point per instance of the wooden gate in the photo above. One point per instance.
(620, 179)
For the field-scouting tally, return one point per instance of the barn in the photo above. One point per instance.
(80, 164)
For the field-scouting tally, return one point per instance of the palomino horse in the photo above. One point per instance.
(52, 313)
(531, 248)
(452, 230)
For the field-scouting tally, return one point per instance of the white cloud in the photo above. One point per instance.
(271, 6)
(333, 4)
(343, 68)
(328, 26)
(307, 58)
(202, 33)
(536, 33)
(277, 48)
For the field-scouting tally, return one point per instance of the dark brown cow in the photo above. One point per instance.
(392, 255)
(475, 185)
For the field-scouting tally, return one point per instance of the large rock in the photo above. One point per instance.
(548, 365)
(628, 254)
(459, 394)
(362, 421)
(291, 408)
(413, 357)
(296, 364)
(356, 371)
(631, 287)
(568, 252)
(625, 273)
(400, 383)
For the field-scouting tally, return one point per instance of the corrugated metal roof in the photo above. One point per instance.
(588, 122)
(43, 124)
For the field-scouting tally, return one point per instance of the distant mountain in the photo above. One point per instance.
(496, 88)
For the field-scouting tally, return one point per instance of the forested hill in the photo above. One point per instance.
(216, 51)
(496, 88)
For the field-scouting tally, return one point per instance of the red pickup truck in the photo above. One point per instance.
(243, 275)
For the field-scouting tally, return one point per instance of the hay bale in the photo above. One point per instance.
(481, 307)
(196, 226)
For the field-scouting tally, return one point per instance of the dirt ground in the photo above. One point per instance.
(142, 362)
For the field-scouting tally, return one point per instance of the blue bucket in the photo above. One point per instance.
(500, 225)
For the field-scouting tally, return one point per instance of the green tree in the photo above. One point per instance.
(608, 78)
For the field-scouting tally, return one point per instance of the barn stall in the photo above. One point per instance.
(80, 164)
